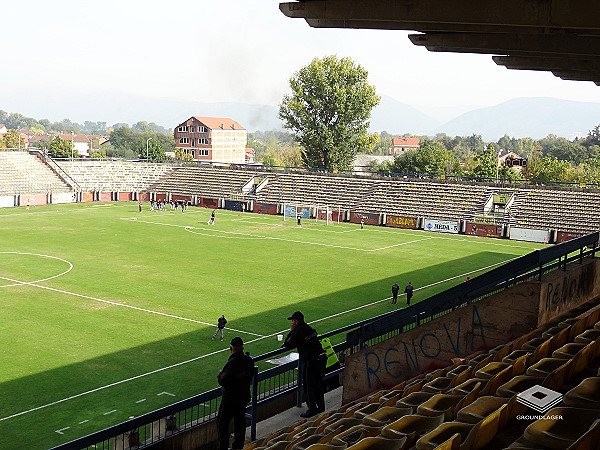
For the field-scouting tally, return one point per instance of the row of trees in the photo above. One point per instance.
(18, 121)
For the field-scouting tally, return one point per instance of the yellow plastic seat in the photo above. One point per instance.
(343, 423)
(378, 443)
(447, 404)
(534, 343)
(327, 446)
(366, 410)
(322, 423)
(355, 434)
(491, 369)
(412, 427)
(516, 354)
(413, 400)
(472, 436)
(443, 384)
(587, 336)
(560, 433)
(544, 367)
(567, 351)
(585, 395)
(385, 415)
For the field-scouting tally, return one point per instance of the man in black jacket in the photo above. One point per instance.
(220, 327)
(395, 289)
(303, 337)
(235, 380)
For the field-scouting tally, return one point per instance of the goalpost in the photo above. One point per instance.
(308, 211)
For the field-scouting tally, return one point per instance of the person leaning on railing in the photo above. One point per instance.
(313, 358)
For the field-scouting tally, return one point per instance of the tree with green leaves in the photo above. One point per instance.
(11, 140)
(329, 111)
(61, 148)
(431, 158)
(487, 163)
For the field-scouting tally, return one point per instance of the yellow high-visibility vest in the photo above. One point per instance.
(331, 355)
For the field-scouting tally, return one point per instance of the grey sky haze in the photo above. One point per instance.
(229, 50)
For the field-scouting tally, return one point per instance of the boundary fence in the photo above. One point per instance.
(271, 384)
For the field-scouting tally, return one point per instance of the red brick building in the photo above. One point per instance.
(212, 139)
(401, 145)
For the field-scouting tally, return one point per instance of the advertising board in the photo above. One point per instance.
(441, 226)
(401, 222)
(370, 219)
(529, 235)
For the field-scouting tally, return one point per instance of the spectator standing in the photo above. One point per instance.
(298, 217)
(313, 359)
(408, 290)
(220, 327)
(395, 290)
(234, 378)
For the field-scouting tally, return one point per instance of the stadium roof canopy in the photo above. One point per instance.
(560, 36)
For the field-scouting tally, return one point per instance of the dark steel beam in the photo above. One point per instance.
(580, 14)
(505, 44)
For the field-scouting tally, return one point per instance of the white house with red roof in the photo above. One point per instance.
(216, 139)
(402, 144)
(3, 130)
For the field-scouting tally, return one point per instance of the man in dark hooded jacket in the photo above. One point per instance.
(312, 356)
(235, 380)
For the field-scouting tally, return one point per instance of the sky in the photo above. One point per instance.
(60, 52)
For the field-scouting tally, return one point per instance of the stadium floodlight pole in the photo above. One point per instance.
(147, 140)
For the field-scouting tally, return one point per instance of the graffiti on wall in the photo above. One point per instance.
(407, 358)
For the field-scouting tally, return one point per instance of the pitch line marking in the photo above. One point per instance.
(191, 229)
(61, 430)
(83, 421)
(162, 369)
(121, 304)
(110, 412)
(142, 400)
(167, 393)
(43, 279)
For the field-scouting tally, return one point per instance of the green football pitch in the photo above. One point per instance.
(107, 313)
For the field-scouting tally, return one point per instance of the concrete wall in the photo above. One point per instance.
(563, 290)
(495, 320)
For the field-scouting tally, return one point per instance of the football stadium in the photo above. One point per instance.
(113, 277)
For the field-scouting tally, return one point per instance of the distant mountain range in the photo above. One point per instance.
(520, 117)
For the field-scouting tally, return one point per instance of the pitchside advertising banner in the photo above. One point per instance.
(292, 211)
(32, 200)
(530, 235)
(401, 222)
(484, 229)
(264, 208)
(87, 197)
(234, 205)
(7, 201)
(370, 219)
(105, 196)
(185, 198)
(563, 236)
(208, 203)
(441, 226)
(125, 196)
(63, 198)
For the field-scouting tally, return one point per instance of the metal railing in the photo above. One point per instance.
(272, 384)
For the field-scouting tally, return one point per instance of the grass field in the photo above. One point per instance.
(104, 317)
